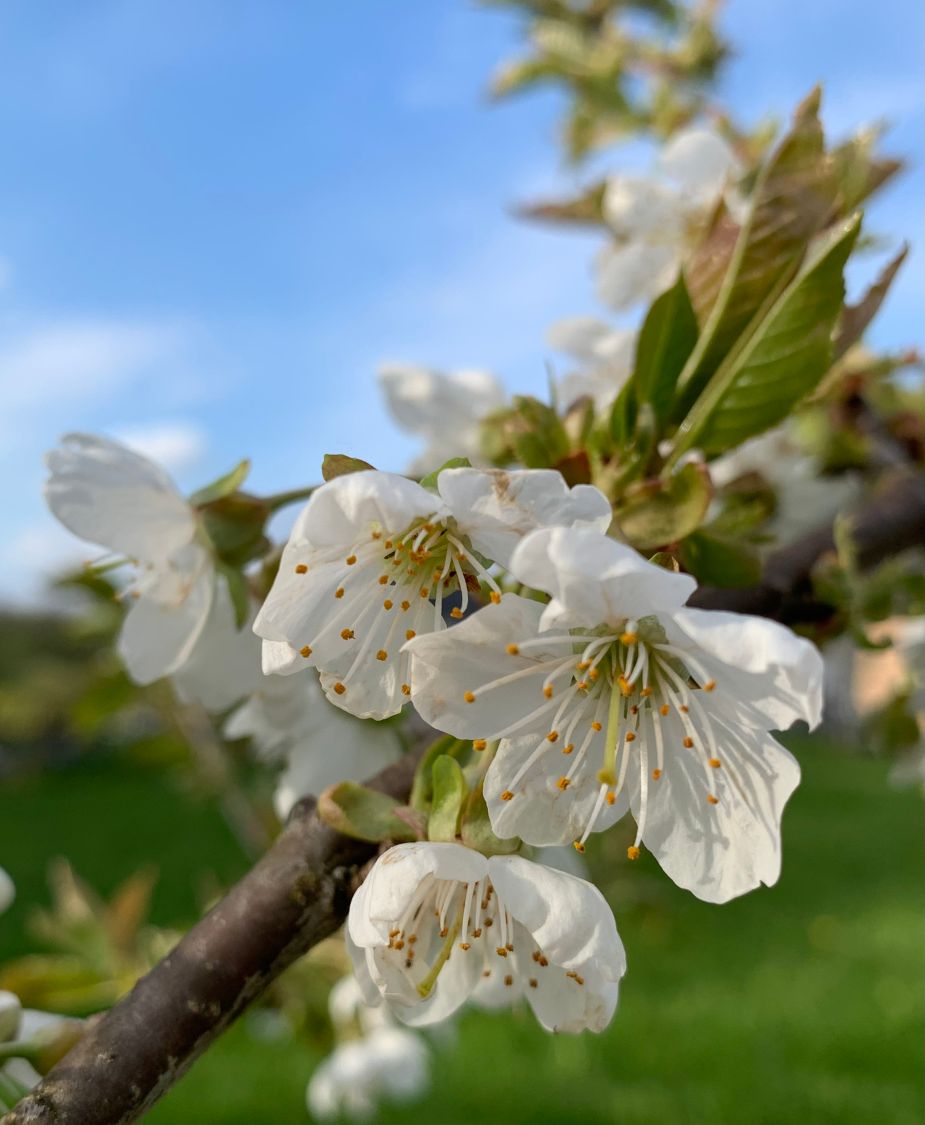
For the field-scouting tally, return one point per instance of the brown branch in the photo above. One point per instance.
(298, 893)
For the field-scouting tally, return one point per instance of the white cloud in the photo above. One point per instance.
(173, 445)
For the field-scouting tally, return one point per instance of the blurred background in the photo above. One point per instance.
(216, 221)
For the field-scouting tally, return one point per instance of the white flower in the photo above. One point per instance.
(349, 1011)
(656, 222)
(434, 923)
(606, 355)
(616, 696)
(373, 556)
(106, 494)
(443, 409)
(388, 1064)
(289, 718)
(7, 890)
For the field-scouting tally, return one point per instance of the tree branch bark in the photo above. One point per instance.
(299, 892)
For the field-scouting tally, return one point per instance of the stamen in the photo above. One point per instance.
(301, 568)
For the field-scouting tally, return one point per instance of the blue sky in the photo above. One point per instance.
(217, 218)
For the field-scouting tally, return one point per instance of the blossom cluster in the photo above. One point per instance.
(496, 604)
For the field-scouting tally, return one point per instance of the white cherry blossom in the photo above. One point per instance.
(373, 556)
(289, 720)
(656, 219)
(434, 924)
(388, 1064)
(443, 409)
(616, 696)
(106, 494)
(604, 353)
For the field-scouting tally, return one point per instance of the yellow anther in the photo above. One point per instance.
(350, 560)
(688, 743)
(625, 686)
(424, 592)
(347, 634)
(388, 544)
(532, 982)
(713, 800)
(628, 638)
(382, 654)
(509, 980)
(339, 688)
(339, 592)
(611, 798)
(507, 795)
(406, 689)
(464, 945)
(568, 747)
(406, 606)
(575, 977)
(664, 709)
(646, 692)
(479, 744)
(563, 783)
(553, 736)
(547, 691)
(684, 709)
(596, 725)
(501, 951)
(383, 580)
(632, 852)
(410, 634)
(630, 736)
(456, 613)
(512, 649)
(582, 685)
(388, 603)
(578, 846)
(656, 774)
(301, 568)
(583, 665)
(376, 535)
(710, 685)
(594, 673)
(715, 763)
(469, 696)
(305, 651)
(495, 597)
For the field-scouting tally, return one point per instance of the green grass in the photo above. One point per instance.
(800, 1004)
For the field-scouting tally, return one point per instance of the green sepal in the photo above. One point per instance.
(450, 792)
(222, 487)
(422, 788)
(364, 814)
(654, 513)
(340, 464)
(430, 481)
(717, 561)
(234, 525)
(475, 829)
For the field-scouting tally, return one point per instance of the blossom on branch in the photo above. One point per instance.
(657, 220)
(107, 494)
(605, 354)
(434, 924)
(443, 409)
(615, 696)
(373, 557)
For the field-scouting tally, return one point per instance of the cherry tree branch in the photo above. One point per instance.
(299, 892)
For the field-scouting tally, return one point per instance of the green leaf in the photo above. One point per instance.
(793, 197)
(239, 593)
(658, 512)
(782, 359)
(450, 791)
(716, 561)
(222, 487)
(339, 464)
(476, 832)
(667, 338)
(430, 481)
(856, 318)
(363, 813)
(422, 788)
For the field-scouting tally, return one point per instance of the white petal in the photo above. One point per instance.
(107, 494)
(759, 664)
(444, 666)
(580, 336)
(637, 208)
(7, 894)
(700, 160)
(496, 508)
(158, 635)
(541, 813)
(721, 851)
(594, 580)
(224, 664)
(345, 509)
(10, 1014)
(431, 403)
(636, 272)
